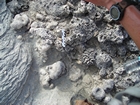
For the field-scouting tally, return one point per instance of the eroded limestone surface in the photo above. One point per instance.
(15, 60)
(51, 49)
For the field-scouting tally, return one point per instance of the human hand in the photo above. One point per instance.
(105, 3)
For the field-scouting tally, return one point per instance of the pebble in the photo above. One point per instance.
(107, 99)
(19, 37)
(31, 36)
(40, 17)
(98, 93)
(51, 86)
(108, 85)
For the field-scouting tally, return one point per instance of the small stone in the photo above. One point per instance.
(42, 72)
(52, 25)
(102, 72)
(44, 61)
(79, 62)
(19, 37)
(108, 85)
(40, 17)
(98, 93)
(5, 72)
(132, 46)
(107, 99)
(19, 21)
(75, 74)
(36, 49)
(51, 86)
(31, 36)
(45, 84)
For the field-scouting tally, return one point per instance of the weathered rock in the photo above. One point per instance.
(91, 8)
(107, 99)
(56, 70)
(121, 51)
(132, 46)
(15, 61)
(98, 93)
(57, 8)
(14, 6)
(89, 56)
(120, 70)
(81, 10)
(108, 85)
(109, 47)
(75, 74)
(103, 60)
(40, 16)
(51, 72)
(102, 72)
(19, 21)
(116, 35)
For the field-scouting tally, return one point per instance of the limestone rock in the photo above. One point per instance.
(15, 61)
(98, 93)
(108, 85)
(19, 21)
(56, 70)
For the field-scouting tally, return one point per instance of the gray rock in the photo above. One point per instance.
(81, 10)
(89, 56)
(56, 70)
(103, 60)
(102, 72)
(57, 8)
(120, 70)
(108, 85)
(121, 50)
(107, 99)
(19, 21)
(115, 35)
(109, 47)
(98, 93)
(75, 74)
(91, 8)
(14, 6)
(15, 60)
(132, 46)
(6, 16)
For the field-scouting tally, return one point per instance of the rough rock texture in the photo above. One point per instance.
(75, 74)
(98, 93)
(70, 37)
(56, 70)
(103, 60)
(56, 8)
(15, 60)
(51, 72)
(116, 36)
(108, 85)
(132, 46)
(19, 21)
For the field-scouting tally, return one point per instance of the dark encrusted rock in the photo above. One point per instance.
(132, 46)
(89, 56)
(103, 60)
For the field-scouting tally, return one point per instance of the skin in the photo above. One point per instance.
(130, 21)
